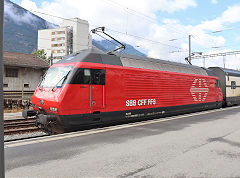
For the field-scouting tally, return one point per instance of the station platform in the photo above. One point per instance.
(204, 144)
(14, 115)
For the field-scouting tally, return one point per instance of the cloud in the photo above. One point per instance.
(214, 1)
(116, 16)
(18, 16)
(231, 15)
(139, 18)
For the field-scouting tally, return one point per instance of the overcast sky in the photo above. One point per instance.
(161, 26)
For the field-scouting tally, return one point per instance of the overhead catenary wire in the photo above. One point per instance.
(107, 39)
(47, 39)
(151, 19)
(216, 54)
(134, 36)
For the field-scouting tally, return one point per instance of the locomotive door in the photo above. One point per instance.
(97, 89)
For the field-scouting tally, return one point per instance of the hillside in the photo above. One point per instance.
(21, 31)
(20, 28)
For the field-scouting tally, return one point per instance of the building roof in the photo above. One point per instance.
(23, 60)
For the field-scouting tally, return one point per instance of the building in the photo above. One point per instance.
(71, 36)
(22, 74)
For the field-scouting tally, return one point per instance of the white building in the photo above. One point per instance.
(71, 36)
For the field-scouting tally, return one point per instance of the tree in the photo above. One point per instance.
(41, 53)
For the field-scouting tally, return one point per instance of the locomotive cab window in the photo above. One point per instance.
(55, 77)
(233, 84)
(97, 76)
(89, 76)
(81, 76)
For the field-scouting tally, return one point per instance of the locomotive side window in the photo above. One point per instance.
(89, 76)
(81, 76)
(97, 76)
(233, 84)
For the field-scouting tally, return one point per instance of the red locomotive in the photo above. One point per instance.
(92, 87)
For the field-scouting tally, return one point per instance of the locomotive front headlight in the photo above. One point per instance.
(53, 109)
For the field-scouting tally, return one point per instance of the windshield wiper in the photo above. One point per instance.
(62, 79)
(42, 79)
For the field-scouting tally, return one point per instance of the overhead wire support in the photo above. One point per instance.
(127, 34)
(140, 14)
(102, 30)
(215, 55)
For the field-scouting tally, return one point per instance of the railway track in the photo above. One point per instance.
(19, 126)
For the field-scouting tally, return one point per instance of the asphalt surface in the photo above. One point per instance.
(206, 145)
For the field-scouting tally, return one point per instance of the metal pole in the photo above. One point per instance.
(224, 62)
(189, 41)
(2, 167)
(204, 62)
(51, 60)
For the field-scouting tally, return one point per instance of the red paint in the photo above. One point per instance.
(148, 88)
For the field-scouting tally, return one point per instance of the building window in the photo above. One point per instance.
(61, 44)
(5, 85)
(54, 45)
(53, 33)
(61, 32)
(26, 85)
(61, 38)
(11, 72)
(53, 39)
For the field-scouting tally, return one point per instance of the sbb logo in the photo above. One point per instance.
(131, 103)
(199, 90)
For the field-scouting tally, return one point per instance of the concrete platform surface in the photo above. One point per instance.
(200, 145)
(14, 115)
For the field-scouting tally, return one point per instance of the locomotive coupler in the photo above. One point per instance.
(45, 119)
(46, 122)
(26, 113)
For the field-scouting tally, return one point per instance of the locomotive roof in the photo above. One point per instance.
(95, 55)
(230, 72)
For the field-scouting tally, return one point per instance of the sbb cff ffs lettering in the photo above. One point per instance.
(140, 102)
